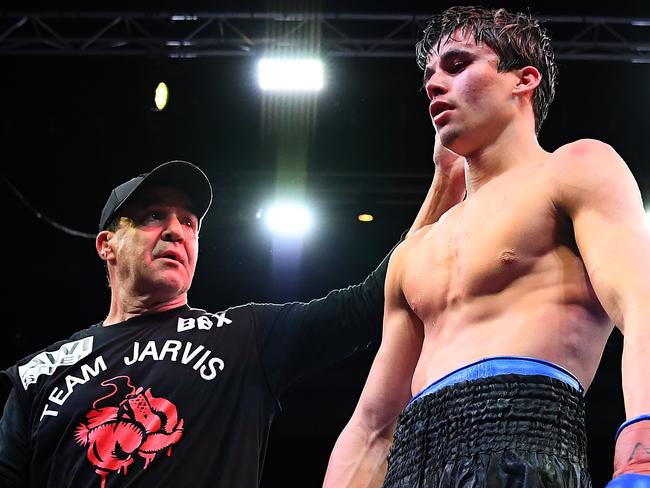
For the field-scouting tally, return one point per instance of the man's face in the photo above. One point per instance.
(156, 245)
(468, 97)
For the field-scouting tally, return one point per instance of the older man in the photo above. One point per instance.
(161, 394)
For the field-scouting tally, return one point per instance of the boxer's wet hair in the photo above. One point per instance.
(516, 38)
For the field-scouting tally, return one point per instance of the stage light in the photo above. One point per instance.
(288, 219)
(279, 74)
(161, 96)
(364, 217)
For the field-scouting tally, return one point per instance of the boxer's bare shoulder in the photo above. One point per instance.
(588, 170)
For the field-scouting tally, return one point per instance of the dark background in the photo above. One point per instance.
(72, 128)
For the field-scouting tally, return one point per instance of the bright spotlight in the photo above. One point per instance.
(290, 74)
(365, 217)
(161, 96)
(288, 219)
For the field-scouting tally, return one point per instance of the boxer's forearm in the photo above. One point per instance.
(635, 365)
(358, 460)
(632, 453)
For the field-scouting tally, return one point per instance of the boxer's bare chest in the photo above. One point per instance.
(484, 245)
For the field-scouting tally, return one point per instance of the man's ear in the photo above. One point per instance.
(101, 244)
(529, 78)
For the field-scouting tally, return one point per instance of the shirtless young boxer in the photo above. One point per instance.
(497, 315)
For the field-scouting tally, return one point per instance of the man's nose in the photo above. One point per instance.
(436, 86)
(173, 230)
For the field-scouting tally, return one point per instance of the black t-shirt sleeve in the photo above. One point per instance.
(295, 338)
(14, 438)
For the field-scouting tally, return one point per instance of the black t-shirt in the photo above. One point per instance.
(178, 398)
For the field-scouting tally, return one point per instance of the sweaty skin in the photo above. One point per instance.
(546, 253)
(508, 280)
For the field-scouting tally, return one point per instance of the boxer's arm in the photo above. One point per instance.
(359, 455)
(605, 206)
(446, 190)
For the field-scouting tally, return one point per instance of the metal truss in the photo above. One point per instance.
(209, 34)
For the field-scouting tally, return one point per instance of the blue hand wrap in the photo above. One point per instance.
(630, 422)
(630, 481)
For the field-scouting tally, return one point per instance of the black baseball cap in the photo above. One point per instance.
(180, 175)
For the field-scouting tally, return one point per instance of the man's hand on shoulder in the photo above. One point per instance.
(447, 161)
(447, 188)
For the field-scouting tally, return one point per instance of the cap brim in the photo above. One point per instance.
(181, 175)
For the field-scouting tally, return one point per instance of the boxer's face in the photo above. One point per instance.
(470, 101)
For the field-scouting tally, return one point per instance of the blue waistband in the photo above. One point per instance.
(500, 365)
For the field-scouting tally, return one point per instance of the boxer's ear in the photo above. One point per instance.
(528, 78)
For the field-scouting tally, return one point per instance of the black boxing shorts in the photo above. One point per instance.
(500, 422)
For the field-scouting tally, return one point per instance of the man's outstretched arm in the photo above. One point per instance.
(296, 338)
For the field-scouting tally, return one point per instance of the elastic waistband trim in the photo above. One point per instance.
(501, 365)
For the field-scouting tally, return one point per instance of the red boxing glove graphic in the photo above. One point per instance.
(140, 424)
